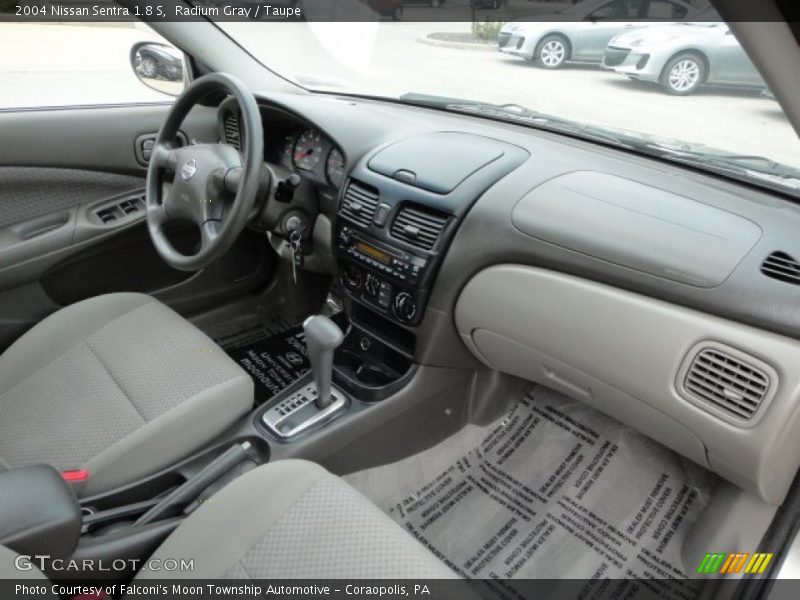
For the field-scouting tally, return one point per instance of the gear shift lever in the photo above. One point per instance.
(323, 336)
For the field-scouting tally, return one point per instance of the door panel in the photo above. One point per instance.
(733, 65)
(594, 37)
(72, 219)
(95, 138)
(45, 211)
(30, 192)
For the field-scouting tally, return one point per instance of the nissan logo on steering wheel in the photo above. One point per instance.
(188, 169)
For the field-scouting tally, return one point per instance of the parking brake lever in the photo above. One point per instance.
(191, 488)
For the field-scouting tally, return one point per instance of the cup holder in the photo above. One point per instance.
(373, 376)
(349, 360)
(362, 371)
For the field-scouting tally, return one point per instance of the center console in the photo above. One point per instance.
(399, 211)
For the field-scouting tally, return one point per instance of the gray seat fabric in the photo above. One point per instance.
(292, 519)
(288, 520)
(120, 385)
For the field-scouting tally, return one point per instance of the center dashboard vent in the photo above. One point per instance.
(418, 227)
(232, 134)
(736, 384)
(360, 202)
(782, 267)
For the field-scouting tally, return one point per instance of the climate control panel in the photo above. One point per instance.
(399, 303)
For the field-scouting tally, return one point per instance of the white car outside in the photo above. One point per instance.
(581, 32)
(682, 57)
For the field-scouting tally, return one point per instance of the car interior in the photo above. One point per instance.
(260, 327)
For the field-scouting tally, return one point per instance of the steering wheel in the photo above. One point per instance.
(195, 183)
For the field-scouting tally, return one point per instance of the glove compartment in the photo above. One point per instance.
(624, 354)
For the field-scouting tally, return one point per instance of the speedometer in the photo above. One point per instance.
(308, 150)
(334, 168)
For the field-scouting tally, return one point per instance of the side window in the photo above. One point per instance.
(665, 10)
(80, 64)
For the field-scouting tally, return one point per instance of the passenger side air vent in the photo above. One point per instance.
(728, 380)
(232, 135)
(418, 227)
(360, 202)
(782, 267)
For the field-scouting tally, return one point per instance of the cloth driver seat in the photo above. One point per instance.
(119, 385)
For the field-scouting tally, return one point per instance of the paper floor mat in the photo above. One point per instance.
(559, 491)
(274, 363)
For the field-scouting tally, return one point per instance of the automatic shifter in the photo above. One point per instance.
(323, 336)
(316, 402)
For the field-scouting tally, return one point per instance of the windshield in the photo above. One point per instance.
(687, 92)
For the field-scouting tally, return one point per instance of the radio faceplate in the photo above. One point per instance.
(386, 278)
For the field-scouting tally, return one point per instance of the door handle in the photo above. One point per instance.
(143, 146)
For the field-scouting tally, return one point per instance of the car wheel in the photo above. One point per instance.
(397, 13)
(148, 67)
(683, 74)
(436, 3)
(552, 52)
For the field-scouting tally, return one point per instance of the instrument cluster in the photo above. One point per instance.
(312, 154)
(289, 142)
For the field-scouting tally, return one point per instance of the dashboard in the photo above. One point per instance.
(468, 243)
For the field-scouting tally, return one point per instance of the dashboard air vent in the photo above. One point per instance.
(729, 383)
(782, 267)
(232, 135)
(418, 227)
(359, 203)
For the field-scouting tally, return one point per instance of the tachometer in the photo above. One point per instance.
(334, 168)
(308, 150)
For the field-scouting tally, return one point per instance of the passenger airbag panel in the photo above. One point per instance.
(637, 226)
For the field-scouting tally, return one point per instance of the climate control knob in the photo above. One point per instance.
(405, 307)
(353, 278)
(372, 285)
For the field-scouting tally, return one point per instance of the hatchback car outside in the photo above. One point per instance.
(581, 32)
(682, 57)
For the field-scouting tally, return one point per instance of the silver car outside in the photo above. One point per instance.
(581, 32)
(682, 57)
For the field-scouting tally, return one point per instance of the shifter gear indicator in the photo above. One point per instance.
(298, 412)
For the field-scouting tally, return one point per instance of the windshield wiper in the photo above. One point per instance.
(521, 114)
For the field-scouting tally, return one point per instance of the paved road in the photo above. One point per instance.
(69, 64)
